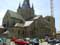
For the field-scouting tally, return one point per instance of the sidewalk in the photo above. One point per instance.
(44, 43)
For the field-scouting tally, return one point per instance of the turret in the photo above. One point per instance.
(19, 6)
(19, 9)
(32, 9)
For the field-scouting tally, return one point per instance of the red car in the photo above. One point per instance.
(21, 42)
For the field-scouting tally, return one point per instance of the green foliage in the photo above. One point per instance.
(42, 40)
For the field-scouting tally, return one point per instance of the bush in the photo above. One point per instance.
(42, 40)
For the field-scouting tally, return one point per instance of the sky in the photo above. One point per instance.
(41, 7)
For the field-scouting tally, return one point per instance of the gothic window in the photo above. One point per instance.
(23, 32)
(13, 22)
(7, 24)
(21, 21)
(18, 31)
(4, 25)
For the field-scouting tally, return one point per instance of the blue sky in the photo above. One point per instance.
(42, 7)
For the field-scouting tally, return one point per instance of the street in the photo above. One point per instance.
(44, 43)
(8, 42)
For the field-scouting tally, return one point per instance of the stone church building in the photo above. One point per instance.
(24, 22)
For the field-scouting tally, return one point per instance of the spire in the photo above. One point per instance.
(32, 7)
(26, 4)
(19, 6)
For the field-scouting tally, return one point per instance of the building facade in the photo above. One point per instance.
(58, 35)
(24, 22)
(1, 29)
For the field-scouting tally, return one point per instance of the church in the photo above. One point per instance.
(24, 22)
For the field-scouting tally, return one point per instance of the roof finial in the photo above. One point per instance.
(32, 7)
(19, 6)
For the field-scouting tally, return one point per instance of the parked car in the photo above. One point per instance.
(54, 41)
(57, 41)
(36, 41)
(1, 41)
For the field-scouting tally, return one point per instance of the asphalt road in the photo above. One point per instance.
(44, 43)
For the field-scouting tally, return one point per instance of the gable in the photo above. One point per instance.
(15, 15)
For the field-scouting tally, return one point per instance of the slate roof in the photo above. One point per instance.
(26, 24)
(19, 25)
(6, 32)
(36, 17)
(43, 20)
(15, 15)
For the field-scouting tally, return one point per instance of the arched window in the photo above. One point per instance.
(4, 25)
(23, 32)
(21, 21)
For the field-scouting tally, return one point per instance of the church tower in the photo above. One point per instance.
(26, 11)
